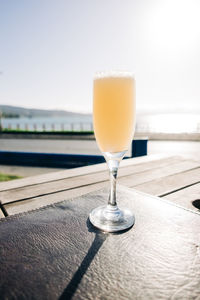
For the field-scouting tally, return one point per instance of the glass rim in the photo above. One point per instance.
(114, 74)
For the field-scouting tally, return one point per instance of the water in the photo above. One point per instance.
(152, 123)
(168, 123)
(82, 123)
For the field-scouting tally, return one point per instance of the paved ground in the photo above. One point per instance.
(82, 147)
(90, 146)
(50, 146)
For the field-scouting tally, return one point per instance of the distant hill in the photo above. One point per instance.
(15, 111)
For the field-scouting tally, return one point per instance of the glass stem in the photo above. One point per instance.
(113, 165)
(113, 160)
(113, 179)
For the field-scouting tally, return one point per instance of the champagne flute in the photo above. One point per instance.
(114, 122)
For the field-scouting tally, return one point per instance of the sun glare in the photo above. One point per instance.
(174, 25)
(174, 123)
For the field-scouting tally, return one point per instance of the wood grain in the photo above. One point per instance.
(154, 176)
(186, 196)
(1, 214)
(39, 179)
(137, 174)
(170, 184)
(34, 203)
(158, 173)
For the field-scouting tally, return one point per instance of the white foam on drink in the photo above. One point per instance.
(113, 74)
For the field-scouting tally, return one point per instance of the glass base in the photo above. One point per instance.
(111, 219)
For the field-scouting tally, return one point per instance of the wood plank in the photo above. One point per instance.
(38, 179)
(83, 180)
(170, 184)
(186, 196)
(37, 202)
(156, 174)
(1, 214)
(183, 198)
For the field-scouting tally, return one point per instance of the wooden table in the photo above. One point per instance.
(53, 252)
(175, 178)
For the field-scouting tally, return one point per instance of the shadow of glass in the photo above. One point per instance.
(99, 239)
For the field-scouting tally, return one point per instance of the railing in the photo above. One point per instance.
(75, 126)
(141, 127)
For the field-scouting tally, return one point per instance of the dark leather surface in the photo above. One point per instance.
(54, 253)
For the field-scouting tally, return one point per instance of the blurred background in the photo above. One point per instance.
(50, 51)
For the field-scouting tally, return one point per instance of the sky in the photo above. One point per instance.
(50, 50)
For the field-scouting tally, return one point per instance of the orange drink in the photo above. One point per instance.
(114, 111)
(114, 120)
